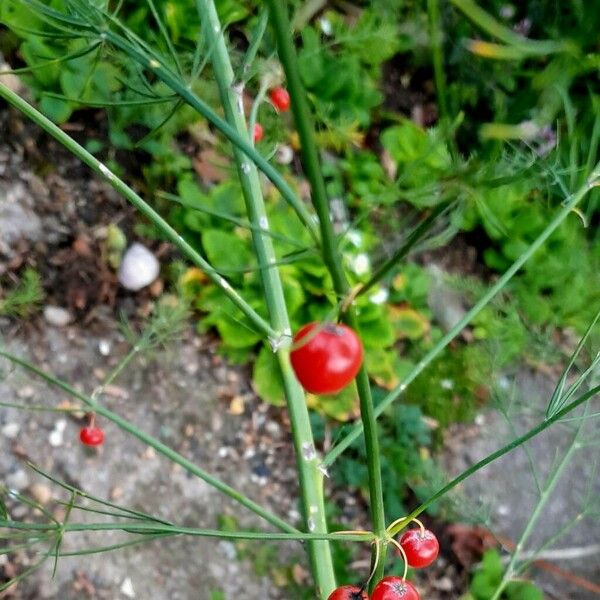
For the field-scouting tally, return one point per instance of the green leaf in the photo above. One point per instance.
(226, 250)
(409, 323)
(55, 109)
(523, 590)
(266, 378)
(341, 406)
(3, 511)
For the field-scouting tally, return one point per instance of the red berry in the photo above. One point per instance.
(259, 132)
(421, 547)
(348, 592)
(280, 99)
(91, 436)
(395, 588)
(328, 360)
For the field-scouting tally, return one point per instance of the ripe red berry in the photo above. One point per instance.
(395, 588)
(328, 360)
(91, 436)
(280, 99)
(421, 547)
(258, 133)
(348, 592)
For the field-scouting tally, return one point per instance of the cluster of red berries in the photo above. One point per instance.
(280, 99)
(419, 548)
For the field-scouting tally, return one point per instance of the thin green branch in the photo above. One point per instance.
(393, 395)
(414, 237)
(155, 529)
(497, 454)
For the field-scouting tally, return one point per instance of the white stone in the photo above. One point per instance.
(17, 481)
(11, 430)
(138, 268)
(127, 588)
(57, 316)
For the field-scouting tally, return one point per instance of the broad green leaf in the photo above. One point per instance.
(226, 251)
(266, 378)
(409, 323)
(341, 406)
(55, 109)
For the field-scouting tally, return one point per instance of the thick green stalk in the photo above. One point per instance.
(393, 395)
(311, 478)
(331, 256)
(91, 161)
(152, 442)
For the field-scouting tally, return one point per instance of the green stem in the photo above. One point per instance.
(535, 515)
(490, 25)
(153, 528)
(153, 443)
(393, 395)
(496, 455)
(312, 168)
(415, 236)
(310, 477)
(435, 33)
(137, 201)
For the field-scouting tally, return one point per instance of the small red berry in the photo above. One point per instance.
(395, 588)
(328, 360)
(91, 436)
(348, 592)
(258, 133)
(421, 547)
(280, 99)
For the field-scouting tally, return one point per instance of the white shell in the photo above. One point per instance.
(138, 268)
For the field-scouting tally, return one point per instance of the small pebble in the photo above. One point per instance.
(55, 439)
(26, 392)
(138, 268)
(40, 493)
(17, 480)
(127, 588)
(57, 316)
(11, 430)
(104, 347)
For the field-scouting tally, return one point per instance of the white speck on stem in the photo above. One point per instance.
(311, 524)
(313, 509)
(308, 451)
(402, 387)
(224, 284)
(323, 469)
(217, 29)
(246, 168)
(105, 171)
(263, 222)
(154, 64)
